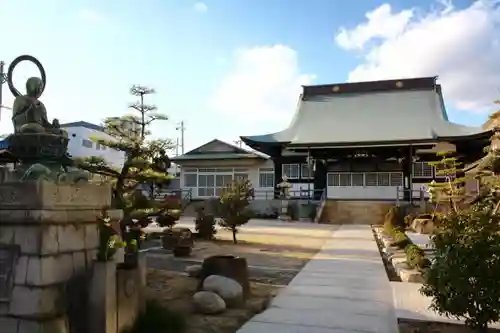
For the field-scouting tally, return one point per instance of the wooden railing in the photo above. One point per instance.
(302, 194)
(184, 195)
(417, 196)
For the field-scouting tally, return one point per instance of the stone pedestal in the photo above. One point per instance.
(48, 241)
(284, 211)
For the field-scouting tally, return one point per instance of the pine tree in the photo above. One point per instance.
(145, 161)
(452, 190)
(463, 279)
(234, 202)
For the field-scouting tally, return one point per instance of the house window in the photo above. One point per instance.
(332, 179)
(345, 179)
(222, 181)
(357, 179)
(87, 143)
(371, 179)
(364, 179)
(396, 179)
(190, 180)
(266, 178)
(305, 172)
(292, 171)
(206, 185)
(240, 176)
(422, 170)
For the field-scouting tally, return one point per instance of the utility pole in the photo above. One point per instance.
(3, 79)
(182, 128)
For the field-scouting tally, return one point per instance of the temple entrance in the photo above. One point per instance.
(364, 185)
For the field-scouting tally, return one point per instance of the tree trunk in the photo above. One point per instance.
(235, 241)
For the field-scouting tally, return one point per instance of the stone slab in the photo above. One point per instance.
(358, 282)
(373, 294)
(410, 304)
(327, 319)
(296, 302)
(257, 327)
(421, 240)
(46, 195)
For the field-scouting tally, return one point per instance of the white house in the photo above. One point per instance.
(81, 133)
(208, 168)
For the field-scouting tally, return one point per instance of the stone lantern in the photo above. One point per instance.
(284, 188)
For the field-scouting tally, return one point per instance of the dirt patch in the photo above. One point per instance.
(417, 326)
(262, 254)
(274, 255)
(175, 292)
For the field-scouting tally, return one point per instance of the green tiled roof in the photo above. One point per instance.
(374, 117)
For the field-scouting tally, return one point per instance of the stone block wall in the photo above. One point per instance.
(354, 212)
(48, 242)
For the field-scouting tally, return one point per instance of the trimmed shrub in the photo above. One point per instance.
(415, 257)
(205, 224)
(400, 240)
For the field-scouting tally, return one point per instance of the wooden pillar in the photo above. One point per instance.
(408, 175)
(319, 178)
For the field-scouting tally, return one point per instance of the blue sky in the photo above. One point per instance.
(234, 67)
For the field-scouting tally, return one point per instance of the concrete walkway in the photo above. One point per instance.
(343, 289)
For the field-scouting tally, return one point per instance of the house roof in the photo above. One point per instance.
(368, 113)
(83, 124)
(218, 150)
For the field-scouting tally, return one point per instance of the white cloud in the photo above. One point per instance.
(200, 7)
(264, 83)
(461, 46)
(91, 16)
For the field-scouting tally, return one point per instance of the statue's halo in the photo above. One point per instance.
(10, 72)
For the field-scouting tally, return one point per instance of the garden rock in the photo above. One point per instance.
(207, 302)
(230, 290)
(423, 226)
(193, 270)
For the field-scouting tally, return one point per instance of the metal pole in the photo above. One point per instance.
(181, 128)
(182, 137)
(1, 86)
